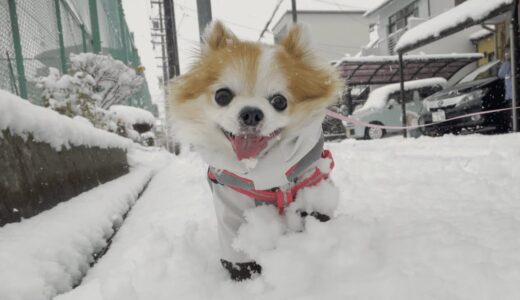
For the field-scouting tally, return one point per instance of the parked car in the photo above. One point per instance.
(383, 107)
(479, 91)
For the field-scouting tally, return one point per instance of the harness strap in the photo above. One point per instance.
(281, 198)
(304, 163)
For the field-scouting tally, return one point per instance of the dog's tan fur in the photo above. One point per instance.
(289, 68)
(311, 86)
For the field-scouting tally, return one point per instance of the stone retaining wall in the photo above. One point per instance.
(35, 177)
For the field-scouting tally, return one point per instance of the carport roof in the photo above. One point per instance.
(369, 70)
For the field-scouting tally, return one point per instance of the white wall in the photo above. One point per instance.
(332, 34)
(457, 43)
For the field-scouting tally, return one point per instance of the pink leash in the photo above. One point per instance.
(353, 120)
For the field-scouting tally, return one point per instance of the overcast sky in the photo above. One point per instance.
(246, 18)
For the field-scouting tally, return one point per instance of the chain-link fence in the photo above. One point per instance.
(38, 34)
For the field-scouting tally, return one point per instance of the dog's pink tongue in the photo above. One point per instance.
(248, 146)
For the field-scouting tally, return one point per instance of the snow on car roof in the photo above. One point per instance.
(466, 14)
(378, 97)
(132, 115)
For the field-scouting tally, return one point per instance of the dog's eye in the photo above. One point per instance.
(278, 102)
(223, 96)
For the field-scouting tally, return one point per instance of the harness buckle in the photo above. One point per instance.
(283, 199)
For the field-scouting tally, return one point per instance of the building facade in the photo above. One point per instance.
(390, 19)
(334, 34)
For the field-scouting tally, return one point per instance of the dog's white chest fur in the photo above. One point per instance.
(269, 171)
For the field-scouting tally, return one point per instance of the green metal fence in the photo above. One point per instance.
(38, 34)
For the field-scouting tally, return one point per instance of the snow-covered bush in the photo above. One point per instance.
(94, 84)
(114, 81)
(73, 95)
(134, 123)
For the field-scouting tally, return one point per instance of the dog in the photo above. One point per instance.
(253, 112)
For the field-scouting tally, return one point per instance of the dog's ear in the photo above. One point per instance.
(217, 36)
(297, 41)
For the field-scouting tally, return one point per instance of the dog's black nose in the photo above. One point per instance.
(251, 116)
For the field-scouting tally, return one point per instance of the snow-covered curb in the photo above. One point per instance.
(22, 118)
(48, 254)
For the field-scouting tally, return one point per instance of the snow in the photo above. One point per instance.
(475, 11)
(410, 57)
(427, 218)
(114, 81)
(132, 115)
(378, 97)
(22, 118)
(484, 32)
(48, 254)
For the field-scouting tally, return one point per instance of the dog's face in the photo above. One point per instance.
(244, 97)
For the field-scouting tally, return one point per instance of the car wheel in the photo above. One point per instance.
(374, 133)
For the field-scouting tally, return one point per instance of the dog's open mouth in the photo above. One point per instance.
(249, 145)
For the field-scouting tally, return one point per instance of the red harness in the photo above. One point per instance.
(281, 198)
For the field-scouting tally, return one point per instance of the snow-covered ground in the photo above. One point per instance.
(48, 254)
(419, 219)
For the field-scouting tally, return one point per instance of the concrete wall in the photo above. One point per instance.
(34, 177)
(333, 34)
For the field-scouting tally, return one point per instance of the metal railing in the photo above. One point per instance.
(38, 34)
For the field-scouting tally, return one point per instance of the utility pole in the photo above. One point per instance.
(158, 37)
(294, 12)
(514, 63)
(171, 39)
(204, 12)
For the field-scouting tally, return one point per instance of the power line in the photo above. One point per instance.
(183, 7)
(270, 19)
(341, 5)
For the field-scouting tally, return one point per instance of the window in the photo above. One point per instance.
(399, 20)
(408, 96)
(415, 94)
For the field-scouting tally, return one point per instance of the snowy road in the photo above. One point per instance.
(419, 219)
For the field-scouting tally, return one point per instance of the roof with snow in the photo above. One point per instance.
(483, 33)
(368, 70)
(132, 115)
(469, 13)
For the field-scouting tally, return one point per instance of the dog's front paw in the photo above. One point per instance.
(318, 216)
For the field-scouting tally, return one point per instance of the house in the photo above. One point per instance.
(392, 18)
(333, 33)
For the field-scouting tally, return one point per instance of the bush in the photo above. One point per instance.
(95, 83)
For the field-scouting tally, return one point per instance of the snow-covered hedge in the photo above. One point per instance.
(114, 81)
(44, 125)
(94, 84)
(132, 115)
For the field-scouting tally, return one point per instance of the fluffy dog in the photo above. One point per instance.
(254, 111)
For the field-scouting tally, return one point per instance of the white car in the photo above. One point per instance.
(383, 107)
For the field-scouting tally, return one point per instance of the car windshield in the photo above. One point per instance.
(485, 71)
